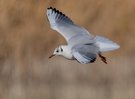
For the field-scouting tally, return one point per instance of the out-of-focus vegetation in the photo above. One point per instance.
(26, 41)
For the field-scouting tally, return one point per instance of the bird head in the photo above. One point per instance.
(57, 51)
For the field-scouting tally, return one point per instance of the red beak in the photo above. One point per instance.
(51, 56)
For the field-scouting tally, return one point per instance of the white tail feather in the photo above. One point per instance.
(105, 44)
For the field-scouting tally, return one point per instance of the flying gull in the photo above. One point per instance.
(81, 45)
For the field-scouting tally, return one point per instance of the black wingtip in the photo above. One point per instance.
(59, 12)
(49, 8)
(93, 60)
(55, 10)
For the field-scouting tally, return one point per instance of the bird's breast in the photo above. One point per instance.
(68, 55)
(67, 52)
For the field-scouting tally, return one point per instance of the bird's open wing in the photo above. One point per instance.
(85, 53)
(65, 26)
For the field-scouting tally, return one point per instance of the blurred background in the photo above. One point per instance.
(26, 41)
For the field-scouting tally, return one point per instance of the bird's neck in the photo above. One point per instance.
(67, 52)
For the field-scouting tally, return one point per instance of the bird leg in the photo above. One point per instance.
(102, 58)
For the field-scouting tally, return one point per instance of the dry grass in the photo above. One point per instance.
(26, 40)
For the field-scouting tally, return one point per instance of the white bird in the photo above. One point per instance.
(81, 45)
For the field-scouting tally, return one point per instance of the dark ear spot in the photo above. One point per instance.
(61, 50)
(57, 50)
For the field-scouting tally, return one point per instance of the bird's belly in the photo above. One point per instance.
(68, 56)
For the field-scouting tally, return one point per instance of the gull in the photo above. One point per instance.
(81, 45)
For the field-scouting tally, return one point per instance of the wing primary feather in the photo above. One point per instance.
(67, 28)
(59, 15)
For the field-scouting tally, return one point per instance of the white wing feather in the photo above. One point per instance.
(65, 26)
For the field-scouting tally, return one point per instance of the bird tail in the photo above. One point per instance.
(105, 44)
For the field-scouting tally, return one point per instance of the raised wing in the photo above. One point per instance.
(85, 53)
(65, 26)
